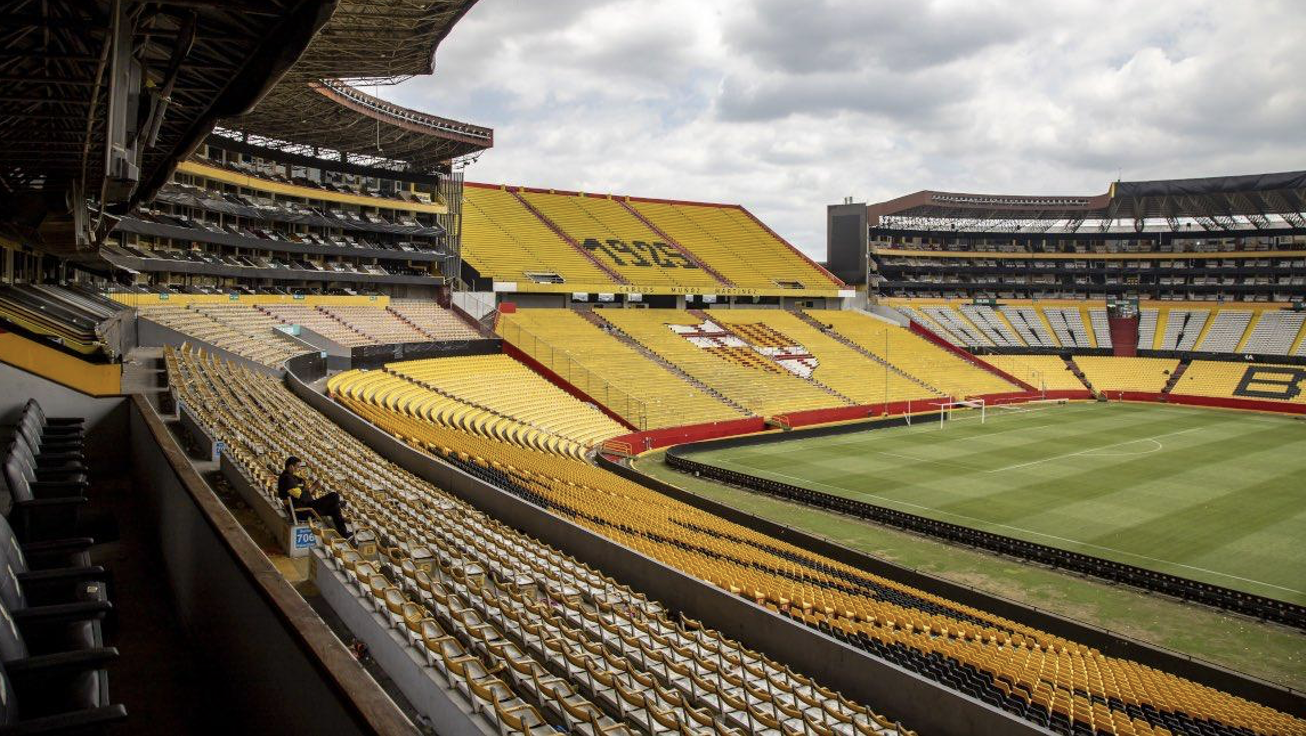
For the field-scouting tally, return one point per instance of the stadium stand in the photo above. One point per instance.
(76, 319)
(504, 386)
(936, 368)
(618, 239)
(1225, 332)
(528, 236)
(318, 321)
(417, 400)
(752, 385)
(1257, 381)
(503, 239)
(1274, 333)
(1144, 244)
(497, 613)
(435, 321)
(1112, 374)
(1043, 372)
(611, 371)
(1051, 681)
(735, 244)
(382, 326)
(1101, 327)
(1182, 329)
(234, 329)
(838, 366)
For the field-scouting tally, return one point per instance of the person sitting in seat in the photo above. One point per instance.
(292, 487)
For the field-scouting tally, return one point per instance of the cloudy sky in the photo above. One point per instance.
(787, 106)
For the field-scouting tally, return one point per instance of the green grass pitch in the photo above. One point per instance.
(1216, 496)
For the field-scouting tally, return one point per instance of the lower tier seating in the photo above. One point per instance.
(645, 393)
(919, 358)
(437, 322)
(1253, 381)
(1108, 373)
(1052, 681)
(762, 392)
(237, 332)
(1043, 372)
(533, 640)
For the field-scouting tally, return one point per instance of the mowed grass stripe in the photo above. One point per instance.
(1210, 495)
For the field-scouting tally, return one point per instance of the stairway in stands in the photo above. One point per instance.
(827, 389)
(1079, 373)
(814, 322)
(1124, 336)
(598, 321)
(1174, 377)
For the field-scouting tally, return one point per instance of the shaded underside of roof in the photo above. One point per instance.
(380, 41)
(333, 116)
(185, 63)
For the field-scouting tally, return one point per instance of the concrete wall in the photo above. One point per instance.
(106, 418)
(244, 619)
(889, 689)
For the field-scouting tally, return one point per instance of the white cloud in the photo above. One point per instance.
(787, 107)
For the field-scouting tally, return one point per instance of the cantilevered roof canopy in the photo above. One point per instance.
(99, 99)
(1260, 202)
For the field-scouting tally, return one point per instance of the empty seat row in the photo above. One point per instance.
(530, 638)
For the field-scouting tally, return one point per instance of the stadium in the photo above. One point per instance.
(599, 462)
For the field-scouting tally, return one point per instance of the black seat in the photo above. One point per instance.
(64, 692)
(39, 519)
(73, 552)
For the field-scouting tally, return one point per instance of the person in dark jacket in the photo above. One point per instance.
(292, 486)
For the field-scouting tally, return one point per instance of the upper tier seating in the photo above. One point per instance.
(502, 385)
(1182, 328)
(734, 244)
(1028, 323)
(239, 332)
(1225, 331)
(618, 233)
(1043, 372)
(762, 392)
(75, 318)
(645, 393)
(1019, 668)
(1147, 319)
(1108, 373)
(534, 641)
(504, 240)
(990, 322)
(1068, 326)
(1266, 381)
(1101, 326)
(919, 358)
(436, 321)
(1275, 332)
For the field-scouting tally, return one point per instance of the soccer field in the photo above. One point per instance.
(1215, 496)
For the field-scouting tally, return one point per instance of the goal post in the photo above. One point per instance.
(948, 408)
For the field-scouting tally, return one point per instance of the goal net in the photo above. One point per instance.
(1026, 407)
(951, 411)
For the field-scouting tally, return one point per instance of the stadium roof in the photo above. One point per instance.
(366, 42)
(1261, 202)
(329, 115)
(99, 99)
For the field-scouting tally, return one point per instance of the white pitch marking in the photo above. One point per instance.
(1091, 449)
(1018, 529)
